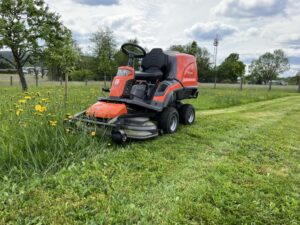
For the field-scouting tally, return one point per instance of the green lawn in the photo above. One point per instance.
(238, 164)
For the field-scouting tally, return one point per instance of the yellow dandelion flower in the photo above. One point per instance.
(18, 112)
(93, 133)
(68, 116)
(53, 123)
(27, 97)
(44, 100)
(40, 108)
(22, 101)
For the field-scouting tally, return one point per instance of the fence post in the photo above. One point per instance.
(86, 81)
(66, 88)
(241, 84)
(11, 80)
(36, 80)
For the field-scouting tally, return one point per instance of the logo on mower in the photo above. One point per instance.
(117, 82)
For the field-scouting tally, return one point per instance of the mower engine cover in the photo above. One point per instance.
(106, 110)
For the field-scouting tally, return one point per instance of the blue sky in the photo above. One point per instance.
(248, 27)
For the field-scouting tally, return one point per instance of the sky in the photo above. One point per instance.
(247, 27)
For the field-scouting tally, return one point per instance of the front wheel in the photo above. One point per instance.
(187, 114)
(168, 120)
(118, 137)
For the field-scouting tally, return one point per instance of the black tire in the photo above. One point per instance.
(118, 137)
(187, 114)
(169, 120)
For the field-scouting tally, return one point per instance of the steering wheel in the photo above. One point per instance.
(140, 53)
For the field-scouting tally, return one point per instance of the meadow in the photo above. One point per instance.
(238, 164)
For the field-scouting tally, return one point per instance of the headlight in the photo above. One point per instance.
(122, 72)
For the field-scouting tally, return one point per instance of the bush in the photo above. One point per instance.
(80, 75)
(8, 71)
(227, 81)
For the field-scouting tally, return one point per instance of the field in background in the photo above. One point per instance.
(238, 164)
(5, 82)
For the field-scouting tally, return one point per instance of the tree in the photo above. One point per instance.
(62, 56)
(104, 48)
(26, 27)
(269, 66)
(232, 68)
(205, 70)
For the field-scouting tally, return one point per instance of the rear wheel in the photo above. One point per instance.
(168, 120)
(187, 114)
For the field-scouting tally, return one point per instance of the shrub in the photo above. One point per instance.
(80, 75)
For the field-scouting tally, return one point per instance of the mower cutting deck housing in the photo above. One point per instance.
(141, 104)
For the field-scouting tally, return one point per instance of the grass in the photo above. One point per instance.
(239, 164)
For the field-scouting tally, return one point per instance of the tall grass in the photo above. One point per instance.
(38, 142)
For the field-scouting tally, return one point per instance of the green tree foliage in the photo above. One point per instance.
(5, 65)
(26, 27)
(104, 49)
(231, 68)
(62, 57)
(269, 66)
(202, 57)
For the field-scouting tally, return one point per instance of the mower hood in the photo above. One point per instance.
(106, 110)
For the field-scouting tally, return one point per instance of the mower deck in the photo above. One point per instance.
(133, 126)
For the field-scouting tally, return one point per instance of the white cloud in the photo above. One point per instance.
(253, 31)
(208, 31)
(250, 8)
(292, 40)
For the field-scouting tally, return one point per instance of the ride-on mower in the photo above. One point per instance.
(142, 104)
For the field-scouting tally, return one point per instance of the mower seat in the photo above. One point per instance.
(154, 65)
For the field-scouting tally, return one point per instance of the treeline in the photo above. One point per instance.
(105, 57)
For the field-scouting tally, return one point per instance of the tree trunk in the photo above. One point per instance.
(66, 88)
(270, 85)
(43, 72)
(22, 77)
(299, 86)
(36, 73)
(241, 84)
(19, 68)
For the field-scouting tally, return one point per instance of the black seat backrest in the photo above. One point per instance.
(155, 59)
